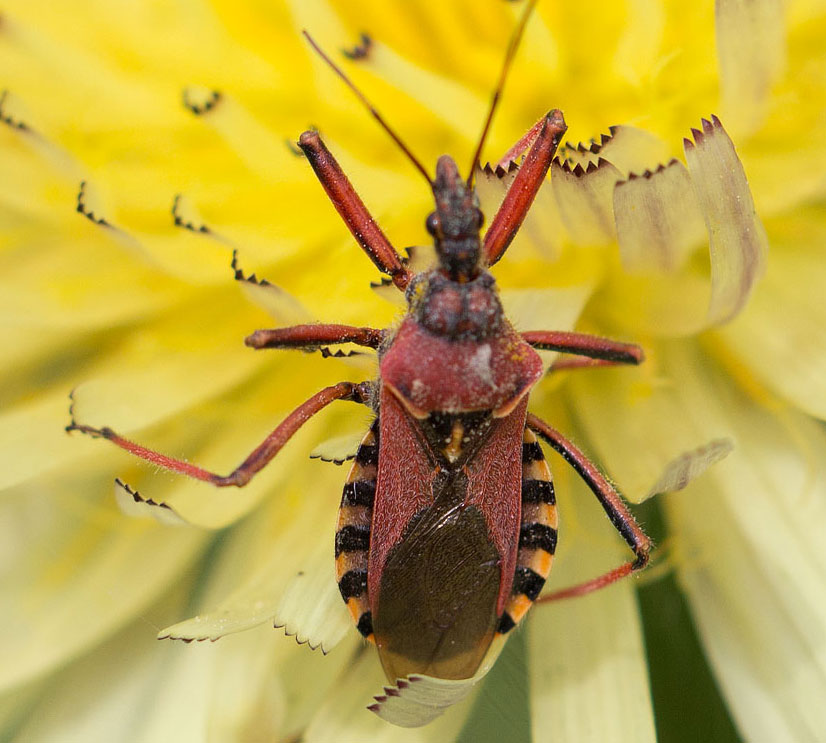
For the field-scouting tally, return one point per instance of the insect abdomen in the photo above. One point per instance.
(355, 516)
(537, 535)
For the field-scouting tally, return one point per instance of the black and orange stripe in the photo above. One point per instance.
(353, 531)
(537, 535)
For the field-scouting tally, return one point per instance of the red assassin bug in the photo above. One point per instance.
(447, 524)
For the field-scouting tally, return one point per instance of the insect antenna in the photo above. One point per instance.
(513, 45)
(370, 107)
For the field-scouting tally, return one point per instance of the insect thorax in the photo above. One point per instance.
(453, 310)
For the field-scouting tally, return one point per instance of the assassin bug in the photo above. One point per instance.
(447, 525)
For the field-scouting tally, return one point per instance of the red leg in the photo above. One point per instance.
(591, 346)
(507, 221)
(352, 209)
(523, 144)
(611, 502)
(256, 461)
(312, 337)
(566, 364)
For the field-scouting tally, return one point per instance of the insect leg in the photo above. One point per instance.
(591, 346)
(566, 364)
(312, 337)
(611, 502)
(259, 458)
(352, 209)
(507, 221)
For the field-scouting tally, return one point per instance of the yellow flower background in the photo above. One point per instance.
(194, 104)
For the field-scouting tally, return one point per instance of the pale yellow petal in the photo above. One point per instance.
(690, 465)
(738, 241)
(542, 228)
(642, 422)
(132, 503)
(752, 559)
(152, 377)
(343, 717)
(171, 686)
(262, 686)
(80, 570)
(311, 608)
(588, 675)
(628, 148)
(418, 700)
(584, 198)
(781, 335)
(658, 219)
(270, 552)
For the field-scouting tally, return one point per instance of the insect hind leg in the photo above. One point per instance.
(260, 457)
(611, 502)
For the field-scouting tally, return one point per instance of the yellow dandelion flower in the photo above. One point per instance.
(143, 143)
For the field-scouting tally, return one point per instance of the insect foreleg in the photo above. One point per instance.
(611, 502)
(311, 337)
(259, 458)
(352, 209)
(580, 344)
(507, 221)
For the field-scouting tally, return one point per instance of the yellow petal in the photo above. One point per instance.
(81, 704)
(338, 449)
(751, 51)
(264, 686)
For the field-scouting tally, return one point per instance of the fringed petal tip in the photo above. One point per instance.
(300, 639)
(584, 198)
(680, 471)
(199, 99)
(338, 449)
(212, 626)
(418, 700)
(278, 303)
(738, 241)
(658, 219)
(133, 504)
(13, 112)
(186, 215)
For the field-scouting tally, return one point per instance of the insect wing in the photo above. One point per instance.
(443, 545)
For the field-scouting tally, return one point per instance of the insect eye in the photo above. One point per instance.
(432, 223)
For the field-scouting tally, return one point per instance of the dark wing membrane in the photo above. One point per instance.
(437, 574)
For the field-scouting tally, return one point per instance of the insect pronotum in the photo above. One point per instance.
(447, 525)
